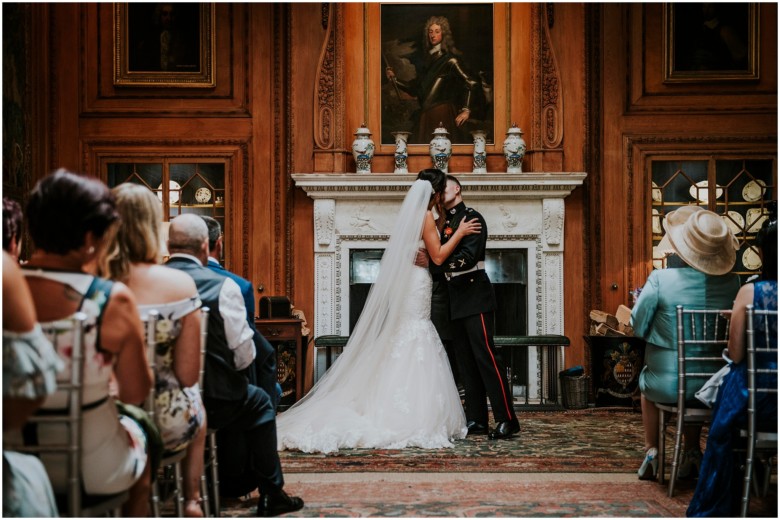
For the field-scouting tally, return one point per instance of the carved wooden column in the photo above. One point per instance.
(547, 135)
(330, 151)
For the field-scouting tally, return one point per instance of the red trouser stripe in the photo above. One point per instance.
(492, 358)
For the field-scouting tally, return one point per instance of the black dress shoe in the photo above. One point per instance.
(505, 429)
(277, 504)
(476, 428)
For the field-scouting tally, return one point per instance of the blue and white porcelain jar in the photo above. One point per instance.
(480, 154)
(514, 149)
(363, 149)
(441, 148)
(401, 151)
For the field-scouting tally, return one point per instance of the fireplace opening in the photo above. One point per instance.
(508, 271)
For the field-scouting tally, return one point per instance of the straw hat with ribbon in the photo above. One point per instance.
(702, 239)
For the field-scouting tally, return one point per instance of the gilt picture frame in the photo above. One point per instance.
(407, 96)
(711, 42)
(167, 45)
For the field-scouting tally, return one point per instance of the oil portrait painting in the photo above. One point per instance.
(437, 68)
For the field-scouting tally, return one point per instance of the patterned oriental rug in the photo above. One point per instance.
(573, 441)
(571, 463)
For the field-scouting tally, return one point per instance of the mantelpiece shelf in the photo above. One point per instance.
(386, 186)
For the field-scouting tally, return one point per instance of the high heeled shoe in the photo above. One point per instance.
(649, 468)
(690, 465)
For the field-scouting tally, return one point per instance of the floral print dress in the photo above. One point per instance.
(114, 446)
(179, 412)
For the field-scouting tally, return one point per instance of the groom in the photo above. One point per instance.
(472, 304)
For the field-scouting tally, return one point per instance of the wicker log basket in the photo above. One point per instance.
(575, 391)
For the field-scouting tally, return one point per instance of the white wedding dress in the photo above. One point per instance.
(392, 387)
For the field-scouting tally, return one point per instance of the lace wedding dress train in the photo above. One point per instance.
(403, 396)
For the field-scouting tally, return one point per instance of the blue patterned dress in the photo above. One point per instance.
(719, 488)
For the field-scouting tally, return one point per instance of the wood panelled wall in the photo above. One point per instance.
(639, 116)
(585, 83)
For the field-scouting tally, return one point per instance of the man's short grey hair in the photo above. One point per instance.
(187, 234)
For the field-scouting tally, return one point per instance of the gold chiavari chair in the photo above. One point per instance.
(701, 337)
(74, 503)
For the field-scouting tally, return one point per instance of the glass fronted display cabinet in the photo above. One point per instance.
(183, 185)
(738, 189)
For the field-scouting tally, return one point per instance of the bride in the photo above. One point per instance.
(392, 387)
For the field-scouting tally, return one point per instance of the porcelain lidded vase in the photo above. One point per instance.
(514, 149)
(480, 155)
(441, 148)
(401, 151)
(363, 149)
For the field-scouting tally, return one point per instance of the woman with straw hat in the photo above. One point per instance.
(706, 248)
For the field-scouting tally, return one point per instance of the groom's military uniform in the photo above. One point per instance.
(472, 306)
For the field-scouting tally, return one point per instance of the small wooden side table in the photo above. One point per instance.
(278, 330)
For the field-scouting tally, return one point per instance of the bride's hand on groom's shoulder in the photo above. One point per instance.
(470, 227)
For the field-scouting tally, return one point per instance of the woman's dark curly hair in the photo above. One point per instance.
(436, 177)
(64, 206)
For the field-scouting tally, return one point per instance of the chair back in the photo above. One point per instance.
(69, 449)
(701, 337)
(209, 483)
(204, 333)
(761, 340)
(761, 357)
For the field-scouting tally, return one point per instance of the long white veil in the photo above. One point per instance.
(352, 373)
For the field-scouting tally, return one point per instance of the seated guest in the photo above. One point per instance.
(706, 245)
(264, 374)
(719, 488)
(231, 402)
(68, 216)
(12, 227)
(133, 254)
(30, 367)
(234, 446)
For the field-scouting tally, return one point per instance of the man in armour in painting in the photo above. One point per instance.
(446, 93)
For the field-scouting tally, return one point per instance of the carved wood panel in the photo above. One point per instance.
(229, 97)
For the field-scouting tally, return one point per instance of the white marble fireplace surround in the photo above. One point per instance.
(522, 211)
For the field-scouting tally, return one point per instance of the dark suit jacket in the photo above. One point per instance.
(245, 286)
(264, 374)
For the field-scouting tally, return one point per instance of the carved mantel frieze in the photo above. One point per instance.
(528, 186)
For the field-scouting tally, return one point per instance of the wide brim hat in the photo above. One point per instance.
(702, 239)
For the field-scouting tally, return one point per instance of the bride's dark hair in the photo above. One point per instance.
(436, 177)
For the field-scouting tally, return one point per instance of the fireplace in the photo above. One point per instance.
(354, 214)
(506, 268)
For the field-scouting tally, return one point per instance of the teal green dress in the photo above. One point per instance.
(654, 319)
